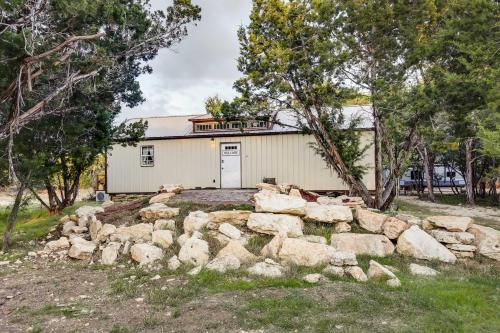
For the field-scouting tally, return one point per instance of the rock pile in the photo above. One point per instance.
(451, 231)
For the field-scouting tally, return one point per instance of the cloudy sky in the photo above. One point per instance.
(202, 65)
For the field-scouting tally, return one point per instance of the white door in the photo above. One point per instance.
(230, 165)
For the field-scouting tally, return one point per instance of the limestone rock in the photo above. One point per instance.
(370, 221)
(394, 227)
(195, 221)
(182, 239)
(313, 278)
(342, 227)
(449, 237)
(194, 252)
(369, 244)
(285, 188)
(268, 187)
(64, 219)
(393, 283)
(195, 271)
(327, 213)
(81, 248)
(377, 271)
(410, 219)
(422, 270)
(145, 253)
(344, 258)
(162, 238)
(323, 200)
(302, 253)
(356, 273)
(68, 228)
(487, 241)
(79, 230)
(234, 248)
(106, 231)
(173, 263)
(266, 201)
(314, 239)
(272, 249)
(94, 228)
(461, 247)
(451, 223)
(273, 224)
(295, 193)
(463, 254)
(171, 188)
(57, 245)
(267, 268)
(417, 243)
(88, 210)
(333, 270)
(110, 253)
(135, 232)
(158, 211)
(224, 264)
(234, 217)
(162, 198)
(230, 231)
(163, 224)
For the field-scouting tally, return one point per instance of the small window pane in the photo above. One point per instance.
(147, 156)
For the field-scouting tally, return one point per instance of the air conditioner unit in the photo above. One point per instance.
(101, 196)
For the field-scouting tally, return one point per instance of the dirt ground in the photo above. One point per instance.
(7, 196)
(481, 212)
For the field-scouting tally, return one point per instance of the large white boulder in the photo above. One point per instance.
(57, 245)
(327, 213)
(94, 228)
(224, 264)
(194, 252)
(417, 243)
(236, 249)
(487, 241)
(234, 217)
(162, 198)
(344, 258)
(158, 211)
(416, 269)
(394, 227)
(135, 232)
(370, 221)
(163, 224)
(68, 227)
(273, 224)
(377, 271)
(356, 273)
(81, 248)
(272, 249)
(268, 187)
(230, 231)
(303, 253)
(106, 231)
(162, 238)
(110, 253)
(145, 254)
(267, 268)
(450, 237)
(195, 221)
(369, 244)
(270, 202)
(451, 223)
(173, 263)
(88, 210)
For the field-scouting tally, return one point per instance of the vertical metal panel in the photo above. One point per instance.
(196, 163)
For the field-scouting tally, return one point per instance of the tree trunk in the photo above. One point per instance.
(469, 184)
(494, 193)
(379, 182)
(429, 170)
(13, 217)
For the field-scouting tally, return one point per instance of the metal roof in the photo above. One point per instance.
(285, 122)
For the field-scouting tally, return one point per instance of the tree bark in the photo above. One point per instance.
(494, 194)
(11, 220)
(429, 170)
(379, 182)
(469, 184)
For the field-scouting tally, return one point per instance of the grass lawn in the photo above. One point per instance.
(32, 222)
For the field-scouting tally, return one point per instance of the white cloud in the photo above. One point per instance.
(202, 65)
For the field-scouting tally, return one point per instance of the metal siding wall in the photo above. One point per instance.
(196, 163)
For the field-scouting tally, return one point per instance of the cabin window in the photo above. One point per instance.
(203, 127)
(451, 174)
(147, 156)
(236, 125)
(220, 126)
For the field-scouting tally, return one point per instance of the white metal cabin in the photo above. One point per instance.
(199, 152)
